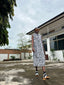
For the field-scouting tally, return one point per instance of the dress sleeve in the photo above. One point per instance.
(33, 34)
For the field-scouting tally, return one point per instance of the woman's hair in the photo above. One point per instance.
(36, 29)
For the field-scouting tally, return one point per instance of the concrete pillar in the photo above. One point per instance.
(20, 56)
(29, 54)
(24, 55)
(48, 48)
(8, 56)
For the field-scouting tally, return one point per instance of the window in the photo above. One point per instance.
(53, 45)
(61, 44)
(45, 44)
(51, 31)
(44, 34)
(60, 36)
(57, 42)
(48, 33)
(53, 38)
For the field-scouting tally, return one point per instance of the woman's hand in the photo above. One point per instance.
(33, 49)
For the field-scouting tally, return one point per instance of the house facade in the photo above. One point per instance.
(52, 33)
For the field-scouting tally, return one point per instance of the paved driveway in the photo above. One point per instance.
(22, 73)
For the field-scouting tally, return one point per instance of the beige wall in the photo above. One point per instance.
(53, 26)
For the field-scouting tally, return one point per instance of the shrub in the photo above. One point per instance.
(13, 57)
(30, 57)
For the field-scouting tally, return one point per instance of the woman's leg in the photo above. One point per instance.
(36, 72)
(44, 73)
(43, 68)
(36, 68)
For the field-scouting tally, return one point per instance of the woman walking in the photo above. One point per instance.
(38, 53)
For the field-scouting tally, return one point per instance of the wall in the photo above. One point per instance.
(58, 55)
(22, 54)
(26, 55)
(3, 56)
(56, 25)
(13, 52)
(16, 55)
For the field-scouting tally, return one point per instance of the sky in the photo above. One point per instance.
(30, 14)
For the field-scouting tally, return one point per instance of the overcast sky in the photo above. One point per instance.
(30, 14)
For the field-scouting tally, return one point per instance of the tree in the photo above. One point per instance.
(23, 41)
(6, 13)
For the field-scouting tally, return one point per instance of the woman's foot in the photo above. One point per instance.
(36, 73)
(45, 76)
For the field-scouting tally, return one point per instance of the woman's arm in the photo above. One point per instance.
(32, 44)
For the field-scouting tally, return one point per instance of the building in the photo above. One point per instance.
(19, 54)
(52, 33)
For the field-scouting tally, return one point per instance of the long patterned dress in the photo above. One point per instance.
(38, 55)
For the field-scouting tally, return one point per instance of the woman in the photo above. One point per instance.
(38, 53)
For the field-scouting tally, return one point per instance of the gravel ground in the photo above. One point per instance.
(22, 73)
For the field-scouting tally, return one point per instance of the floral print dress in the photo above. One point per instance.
(38, 55)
